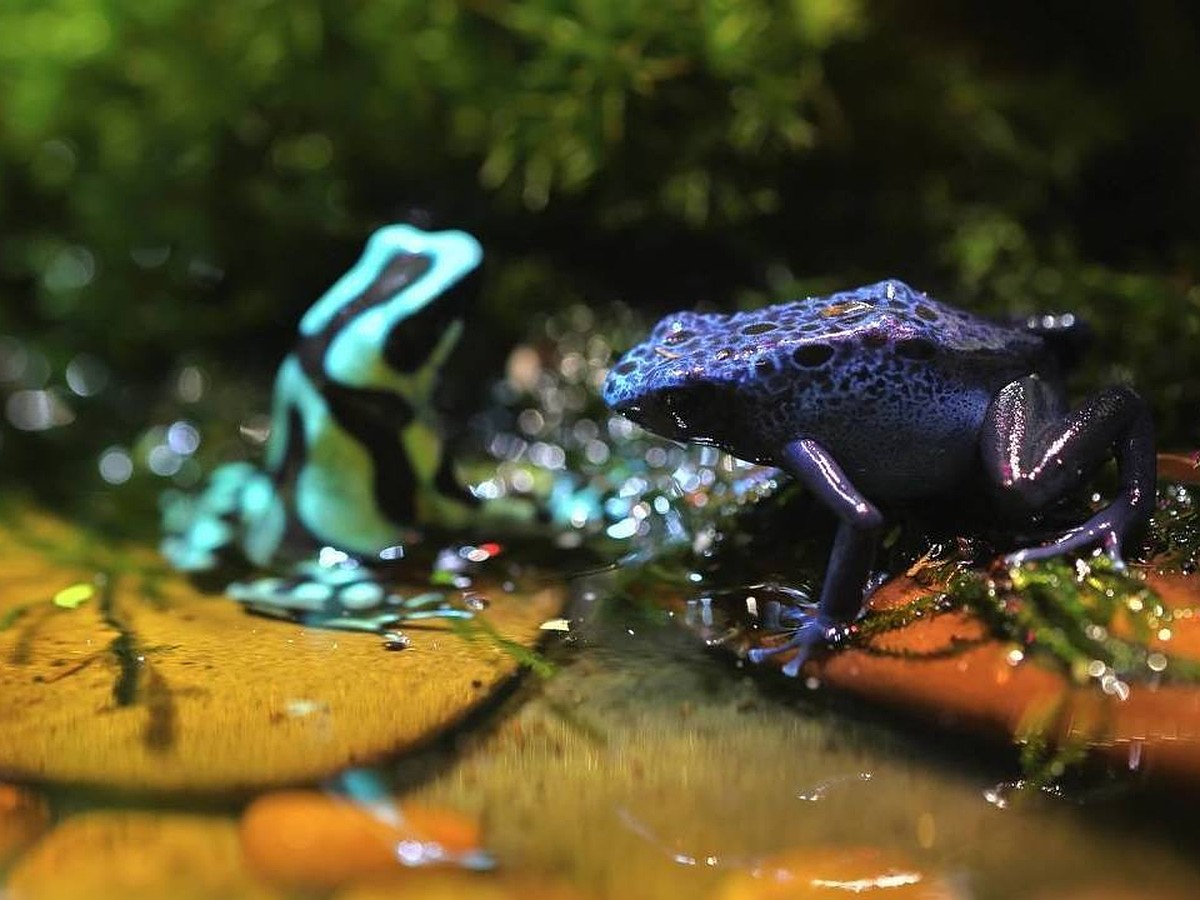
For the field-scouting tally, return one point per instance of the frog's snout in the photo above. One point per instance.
(623, 404)
(615, 391)
(661, 413)
(629, 410)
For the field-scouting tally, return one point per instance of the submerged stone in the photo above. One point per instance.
(308, 840)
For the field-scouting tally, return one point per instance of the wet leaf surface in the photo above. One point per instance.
(816, 872)
(143, 683)
(649, 767)
(691, 776)
(947, 667)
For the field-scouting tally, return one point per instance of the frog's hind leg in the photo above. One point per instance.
(859, 522)
(1035, 451)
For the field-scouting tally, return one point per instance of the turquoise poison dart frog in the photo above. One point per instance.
(883, 393)
(354, 456)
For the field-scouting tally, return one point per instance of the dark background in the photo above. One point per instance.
(178, 183)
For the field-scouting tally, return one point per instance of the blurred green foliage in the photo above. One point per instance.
(182, 178)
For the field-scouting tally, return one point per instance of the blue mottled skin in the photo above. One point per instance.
(881, 364)
(882, 392)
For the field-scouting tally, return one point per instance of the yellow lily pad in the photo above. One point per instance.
(154, 686)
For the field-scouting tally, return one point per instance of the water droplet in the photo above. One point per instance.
(183, 438)
(191, 384)
(531, 422)
(396, 640)
(204, 271)
(37, 410)
(70, 269)
(86, 375)
(116, 466)
(150, 257)
(256, 429)
(162, 460)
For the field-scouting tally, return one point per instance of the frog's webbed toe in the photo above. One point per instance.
(1108, 529)
(812, 633)
(238, 511)
(1036, 452)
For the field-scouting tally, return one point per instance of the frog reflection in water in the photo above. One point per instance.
(883, 393)
(354, 456)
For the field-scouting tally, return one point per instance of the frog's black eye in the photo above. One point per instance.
(408, 346)
(626, 367)
(916, 348)
(812, 355)
(928, 313)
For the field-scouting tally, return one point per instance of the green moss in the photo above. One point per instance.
(1174, 541)
(1085, 617)
(479, 630)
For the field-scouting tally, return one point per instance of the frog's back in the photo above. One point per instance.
(888, 318)
(893, 382)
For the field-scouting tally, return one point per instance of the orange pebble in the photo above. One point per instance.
(829, 872)
(24, 817)
(311, 839)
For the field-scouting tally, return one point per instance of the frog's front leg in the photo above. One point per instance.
(849, 562)
(1035, 452)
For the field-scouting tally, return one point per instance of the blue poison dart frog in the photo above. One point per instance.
(883, 393)
(354, 456)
